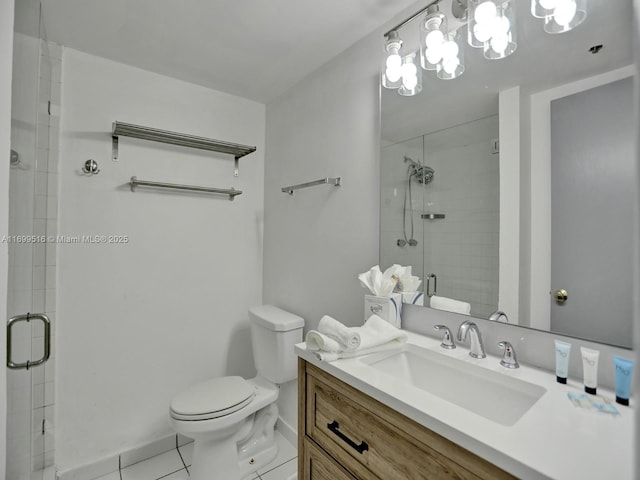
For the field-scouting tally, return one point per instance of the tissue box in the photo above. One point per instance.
(387, 308)
(413, 298)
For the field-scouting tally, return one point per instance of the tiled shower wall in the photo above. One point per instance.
(462, 249)
(44, 264)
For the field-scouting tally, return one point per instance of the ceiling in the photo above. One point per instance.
(254, 49)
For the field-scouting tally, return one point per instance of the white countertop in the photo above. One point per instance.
(553, 440)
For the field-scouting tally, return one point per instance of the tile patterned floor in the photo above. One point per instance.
(174, 465)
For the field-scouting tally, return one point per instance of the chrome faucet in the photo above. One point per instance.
(447, 340)
(495, 316)
(470, 328)
(509, 359)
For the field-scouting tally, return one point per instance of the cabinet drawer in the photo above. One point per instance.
(373, 441)
(317, 465)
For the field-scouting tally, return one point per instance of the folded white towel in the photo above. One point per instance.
(377, 331)
(376, 335)
(331, 356)
(450, 305)
(349, 337)
(319, 341)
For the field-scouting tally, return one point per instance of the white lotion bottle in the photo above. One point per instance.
(590, 369)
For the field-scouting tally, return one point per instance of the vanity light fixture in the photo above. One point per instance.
(560, 15)
(491, 26)
(486, 24)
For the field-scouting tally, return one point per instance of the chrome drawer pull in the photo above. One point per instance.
(334, 427)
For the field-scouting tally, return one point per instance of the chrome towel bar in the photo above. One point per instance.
(323, 181)
(135, 182)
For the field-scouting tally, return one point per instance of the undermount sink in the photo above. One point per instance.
(495, 396)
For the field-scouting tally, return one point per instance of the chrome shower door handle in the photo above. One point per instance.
(429, 292)
(47, 340)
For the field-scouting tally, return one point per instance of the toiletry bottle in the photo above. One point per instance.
(562, 361)
(624, 372)
(590, 369)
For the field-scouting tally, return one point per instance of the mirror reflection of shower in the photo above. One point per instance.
(424, 175)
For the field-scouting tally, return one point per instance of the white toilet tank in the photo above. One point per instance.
(274, 332)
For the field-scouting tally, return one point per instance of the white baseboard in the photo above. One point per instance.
(288, 432)
(126, 458)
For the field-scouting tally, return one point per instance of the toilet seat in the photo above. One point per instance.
(212, 399)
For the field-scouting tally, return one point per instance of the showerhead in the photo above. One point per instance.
(422, 173)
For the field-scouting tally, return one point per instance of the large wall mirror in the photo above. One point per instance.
(513, 188)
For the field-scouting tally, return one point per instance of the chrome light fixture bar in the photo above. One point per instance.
(490, 25)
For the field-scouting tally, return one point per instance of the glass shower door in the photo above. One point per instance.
(28, 185)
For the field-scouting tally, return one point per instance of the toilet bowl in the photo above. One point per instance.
(231, 419)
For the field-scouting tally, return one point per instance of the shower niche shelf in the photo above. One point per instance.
(164, 136)
(432, 216)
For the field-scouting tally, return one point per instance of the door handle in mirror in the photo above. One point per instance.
(560, 296)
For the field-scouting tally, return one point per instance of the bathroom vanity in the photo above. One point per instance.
(375, 417)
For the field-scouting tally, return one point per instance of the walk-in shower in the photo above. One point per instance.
(424, 175)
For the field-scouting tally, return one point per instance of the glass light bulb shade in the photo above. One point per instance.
(566, 16)
(394, 61)
(480, 13)
(450, 50)
(482, 33)
(500, 25)
(411, 76)
(503, 41)
(542, 8)
(434, 39)
(433, 29)
(485, 12)
(433, 57)
(452, 64)
(391, 75)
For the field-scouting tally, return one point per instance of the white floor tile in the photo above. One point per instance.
(187, 453)
(181, 475)
(286, 452)
(154, 468)
(110, 476)
(288, 471)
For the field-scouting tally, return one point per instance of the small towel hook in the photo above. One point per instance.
(91, 167)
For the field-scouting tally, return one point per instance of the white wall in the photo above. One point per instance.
(6, 49)
(319, 239)
(139, 322)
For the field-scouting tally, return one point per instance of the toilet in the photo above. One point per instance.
(231, 419)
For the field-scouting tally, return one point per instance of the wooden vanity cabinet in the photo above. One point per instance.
(344, 434)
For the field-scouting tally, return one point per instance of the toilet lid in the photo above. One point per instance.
(213, 398)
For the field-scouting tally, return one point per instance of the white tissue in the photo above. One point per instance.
(379, 284)
(408, 282)
(396, 277)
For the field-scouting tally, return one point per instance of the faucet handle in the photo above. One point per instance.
(447, 340)
(509, 359)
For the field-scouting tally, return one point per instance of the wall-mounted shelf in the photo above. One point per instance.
(323, 181)
(432, 216)
(163, 136)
